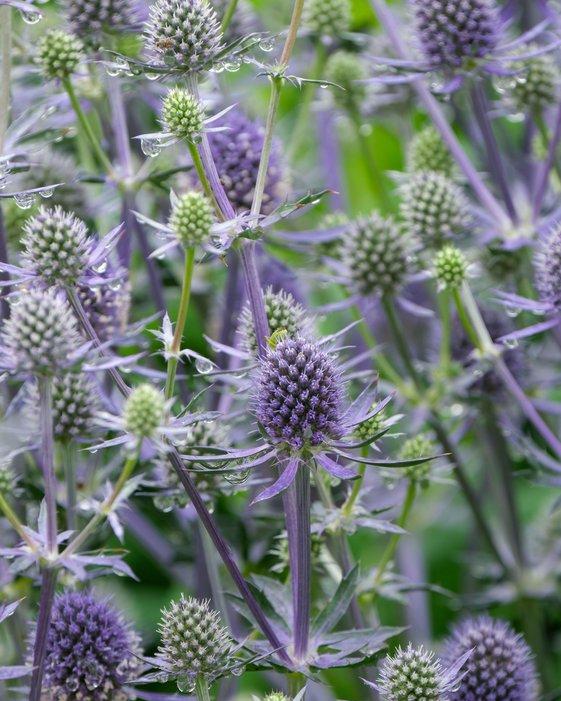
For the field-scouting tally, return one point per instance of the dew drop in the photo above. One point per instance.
(24, 200)
(72, 683)
(31, 17)
(267, 44)
(203, 365)
(49, 192)
(151, 147)
(185, 684)
(100, 267)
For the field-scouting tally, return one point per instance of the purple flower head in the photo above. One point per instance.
(183, 34)
(500, 666)
(89, 19)
(548, 270)
(452, 32)
(41, 336)
(107, 306)
(90, 650)
(237, 152)
(299, 394)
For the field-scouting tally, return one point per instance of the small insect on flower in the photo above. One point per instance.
(184, 34)
(59, 252)
(59, 54)
(414, 674)
(194, 642)
(91, 651)
(500, 664)
(303, 418)
(41, 336)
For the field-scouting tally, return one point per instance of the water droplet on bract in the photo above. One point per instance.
(218, 67)
(113, 70)
(150, 147)
(72, 683)
(323, 86)
(31, 17)
(185, 684)
(151, 76)
(24, 200)
(47, 193)
(3, 181)
(234, 64)
(237, 671)
(511, 343)
(513, 312)
(163, 503)
(93, 676)
(115, 285)
(237, 478)
(100, 267)
(93, 451)
(267, 44)
(203, 365)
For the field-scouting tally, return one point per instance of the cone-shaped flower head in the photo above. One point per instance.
(500, 666)
(433, 208)
(412, 674)
(450, 267)
(88, 19)
(184, 33)
(419, 446)
(41, 333)
(548, 272)
(183, 114)
(534, 88)
(56, 245)
(276, 696)
(283, 313)
(327, 17)
(194, 640)
(59, 54)
(144, 411)
(191, 219)
(452, 32)
(90, 650)
(299, 394)
(237, 153)
(346, 69)
(427, 151)
(375, 253)
(107, 306)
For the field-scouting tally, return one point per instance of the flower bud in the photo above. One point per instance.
(412, 674)
(428, 152)
(183, 114)
(450, 267)
(88, 19)
(144, 411)
(534, 88)
(420, 446)
(59, 54)
(191, 219)
(327, 17)
(346, 70)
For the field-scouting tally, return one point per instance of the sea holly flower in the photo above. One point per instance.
(450, 267)
(428, 152)
(347, 71)
(107, 305)
(303, 418)
(92, 653)
(414, 674)
(91, 19)
(535, 84)
(327, 18)
(500, 663)
(59, 54)
(59, 252)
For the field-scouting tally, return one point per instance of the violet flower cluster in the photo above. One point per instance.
(280, 329)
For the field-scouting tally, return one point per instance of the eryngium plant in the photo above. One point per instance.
(89, 19)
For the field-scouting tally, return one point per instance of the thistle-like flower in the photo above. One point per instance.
(375, 254)
(450, 267)
(428, 152)
(327, 18)
(194, 641)
(107, 305)
(90, 650)
(284, 313)
(183, 114)
(534, 87)
(417, 447)
(184, 34)
(41, 335)
(90, 19)
(144, 411)
(346, 70)
(414, 674)
(58, 251)
(59, 54)
(500, 665)
(276, 696)
(434, 208)
(191, 219)
(237, 152)
(453, 32)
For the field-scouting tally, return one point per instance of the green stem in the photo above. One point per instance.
(107, 505)
(347, 507)
(375, 175)
(296, 683)
(202, 690)
(391, 547)
(68, 454)
(401, 342)
(534, 629)
(5, 76)
(181, 318)
(228, 15)
(87, 127)
(464, 318)
(201, 172)
(445, 326)
(302, 124)
(10, 514)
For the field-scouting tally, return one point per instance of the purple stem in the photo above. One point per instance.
(433, 108)
(199, 505)
(543, 178)
(47, 460)
(296, 502)
(527, 407)
(330, 156)
(481, 112)
(4, 306)
(48, 583)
